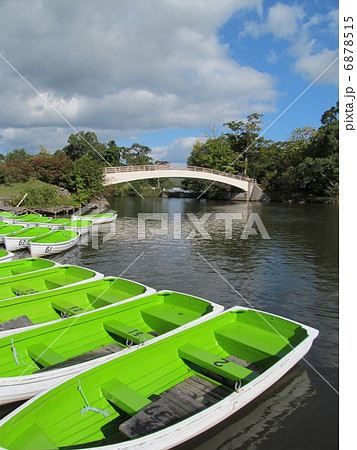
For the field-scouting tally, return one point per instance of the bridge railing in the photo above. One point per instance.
(152, 167)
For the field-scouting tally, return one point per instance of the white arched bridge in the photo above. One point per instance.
(126, 174)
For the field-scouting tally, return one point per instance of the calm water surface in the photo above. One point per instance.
(293, 274)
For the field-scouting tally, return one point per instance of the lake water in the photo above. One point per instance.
(294, 273)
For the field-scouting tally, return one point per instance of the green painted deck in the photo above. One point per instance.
(47, 306)
(42, 280)
(8, 269)
(29, 232)
(55, 237)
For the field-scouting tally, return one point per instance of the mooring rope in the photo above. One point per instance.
(87, 408)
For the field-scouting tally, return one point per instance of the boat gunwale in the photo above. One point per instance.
(97, 276)
(149, 291)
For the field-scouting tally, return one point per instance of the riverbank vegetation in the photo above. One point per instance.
(302, 168)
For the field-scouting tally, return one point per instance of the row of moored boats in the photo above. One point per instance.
(43, 235)
(110, 363)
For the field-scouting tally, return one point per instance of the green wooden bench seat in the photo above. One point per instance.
(126, 332)
(213, 363)
(43, 355)
(67, 307)
(124, 397)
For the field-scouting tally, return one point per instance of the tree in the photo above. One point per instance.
(245, 141)
(19, 154)
(84, 142)
(87, 179)
(137, 155)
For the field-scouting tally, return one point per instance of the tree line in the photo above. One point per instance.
(78, 167)
(304, 167)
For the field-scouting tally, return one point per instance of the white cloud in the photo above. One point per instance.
(128, 66)
(290, 24)
(312, 65)
(283, 20)
(177, 152)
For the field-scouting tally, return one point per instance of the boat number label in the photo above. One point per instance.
(22, 242)
(135, 332)
(48, 249)
(220, 363)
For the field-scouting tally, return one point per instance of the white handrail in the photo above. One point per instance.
(152, 167)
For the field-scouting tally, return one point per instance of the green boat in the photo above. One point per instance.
(9, 269)
(8, 229)
(59, 223)
(25, 217)
(19, 239)
(44, 280)
(37, 221)
(5, 256)
(83, 226)
(68, 301)
(55, 242)
(49, 354)
(97, 218)
(166, 392)
(8, 214)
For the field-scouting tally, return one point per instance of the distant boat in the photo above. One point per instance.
(59, 223)
(20, 266)
(5, 256)
(8, 229)
(20, 239)
(97, 218)
(44, 280)
(23, 218)
(6, 214)
(51, 243)
(83, 226)
(37, 221)
(45, 357)
(166, 392)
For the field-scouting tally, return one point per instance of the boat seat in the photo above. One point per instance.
(67, 307)
(213, 363)
(43, 355)
(124, 397)
(126, 332)
(166, 317)
(22, 289)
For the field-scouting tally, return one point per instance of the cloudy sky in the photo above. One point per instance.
(161, 72)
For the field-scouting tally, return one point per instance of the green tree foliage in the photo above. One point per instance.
(137, 155)
(305, 167)
(82, 143)
(87, 179)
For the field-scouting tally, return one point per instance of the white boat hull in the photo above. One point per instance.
(96, 221)
(42, 249)
(24, 387)
(16, 243)
(82, 230)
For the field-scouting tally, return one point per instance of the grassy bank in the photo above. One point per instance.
(38, 194)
